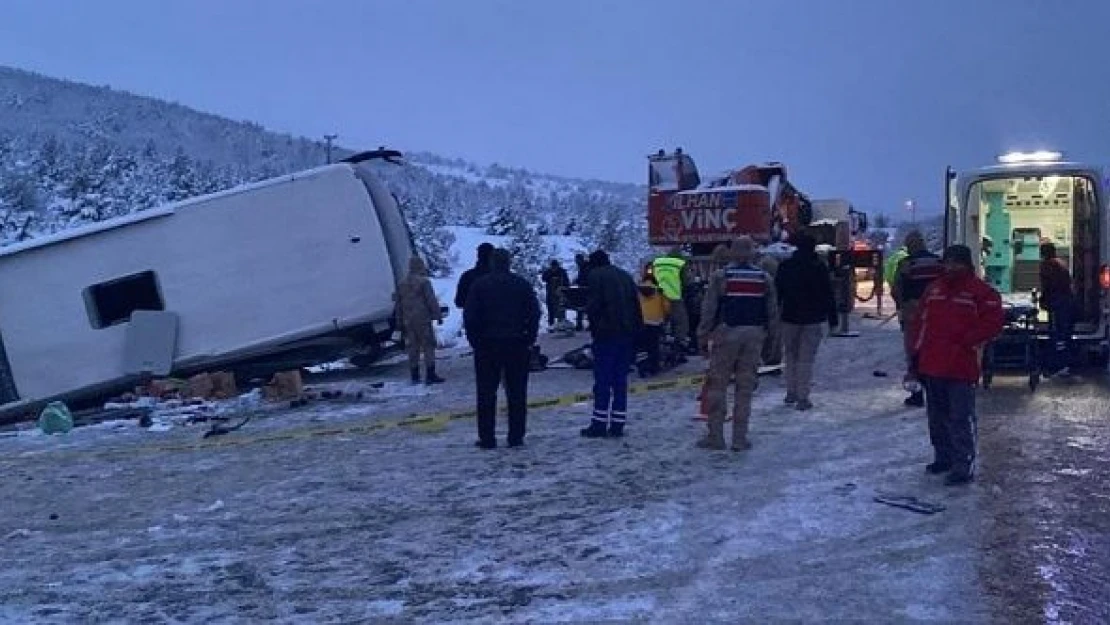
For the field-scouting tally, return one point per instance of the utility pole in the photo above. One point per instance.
(329, 139)
(912, 207)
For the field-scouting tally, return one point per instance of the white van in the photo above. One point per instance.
(1004, 212)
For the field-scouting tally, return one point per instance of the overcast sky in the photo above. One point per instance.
(863, 99)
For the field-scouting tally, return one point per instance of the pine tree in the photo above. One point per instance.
(503, 222)
(432, 239)
(530, 252)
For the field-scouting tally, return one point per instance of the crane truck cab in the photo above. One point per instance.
(699, 214)
(1004, 212)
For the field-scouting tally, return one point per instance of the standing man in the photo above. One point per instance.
(739, 304)
(1058, 299)
(959, 314)
(615, 322)
(912, 276)
(805, 295)
(417, 308)
(502, 321)
(480, 268)
(670, 273)
(555, 279)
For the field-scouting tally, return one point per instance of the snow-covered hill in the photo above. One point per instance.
(73, 153)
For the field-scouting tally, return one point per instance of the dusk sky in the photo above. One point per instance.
(863, 99)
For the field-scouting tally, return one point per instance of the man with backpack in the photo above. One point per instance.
(913, 275)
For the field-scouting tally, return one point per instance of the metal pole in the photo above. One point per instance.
(329, 139)
(947, 204)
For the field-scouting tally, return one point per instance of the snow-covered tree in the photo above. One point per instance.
(433, 240)
(529, 251)
(503, 222)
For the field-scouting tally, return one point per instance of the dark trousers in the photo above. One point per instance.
(612, 359)
(950, 405)
(1060, 322)
(493, 362)
(555, 310)
(649, 344)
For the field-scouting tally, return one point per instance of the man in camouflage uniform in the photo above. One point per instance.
(738, 308)
(417, 308)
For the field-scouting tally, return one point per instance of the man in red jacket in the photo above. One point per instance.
(958, 314)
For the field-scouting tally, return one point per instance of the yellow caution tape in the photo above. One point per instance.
(429, 423)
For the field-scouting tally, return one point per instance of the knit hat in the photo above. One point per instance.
(958, 254)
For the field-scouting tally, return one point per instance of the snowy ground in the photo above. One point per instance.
(401, 526)
(414, 525)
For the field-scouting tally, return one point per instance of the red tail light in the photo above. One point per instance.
(1104, 277)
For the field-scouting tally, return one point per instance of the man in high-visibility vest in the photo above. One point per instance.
(890, 270)
(670, 273)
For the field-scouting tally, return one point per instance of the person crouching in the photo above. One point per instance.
(654, 308)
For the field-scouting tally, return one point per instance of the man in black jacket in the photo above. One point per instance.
(466, 280)
(613, 308)
(806, 302)
(502, 320)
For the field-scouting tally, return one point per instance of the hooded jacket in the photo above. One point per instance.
(501, 308)
(480, 268)
(416, 299)
(958, 314)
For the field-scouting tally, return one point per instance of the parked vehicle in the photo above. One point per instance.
(299, 269)
(1004, 213)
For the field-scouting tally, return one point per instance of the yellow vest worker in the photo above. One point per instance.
(668, 273)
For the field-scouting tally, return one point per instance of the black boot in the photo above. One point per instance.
(616, 430)
(596, 430)
(415, 371)
(937, 467)
(432, 377)
(958, 477)
(916, 400)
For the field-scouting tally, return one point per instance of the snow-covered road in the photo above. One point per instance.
(402, 526)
